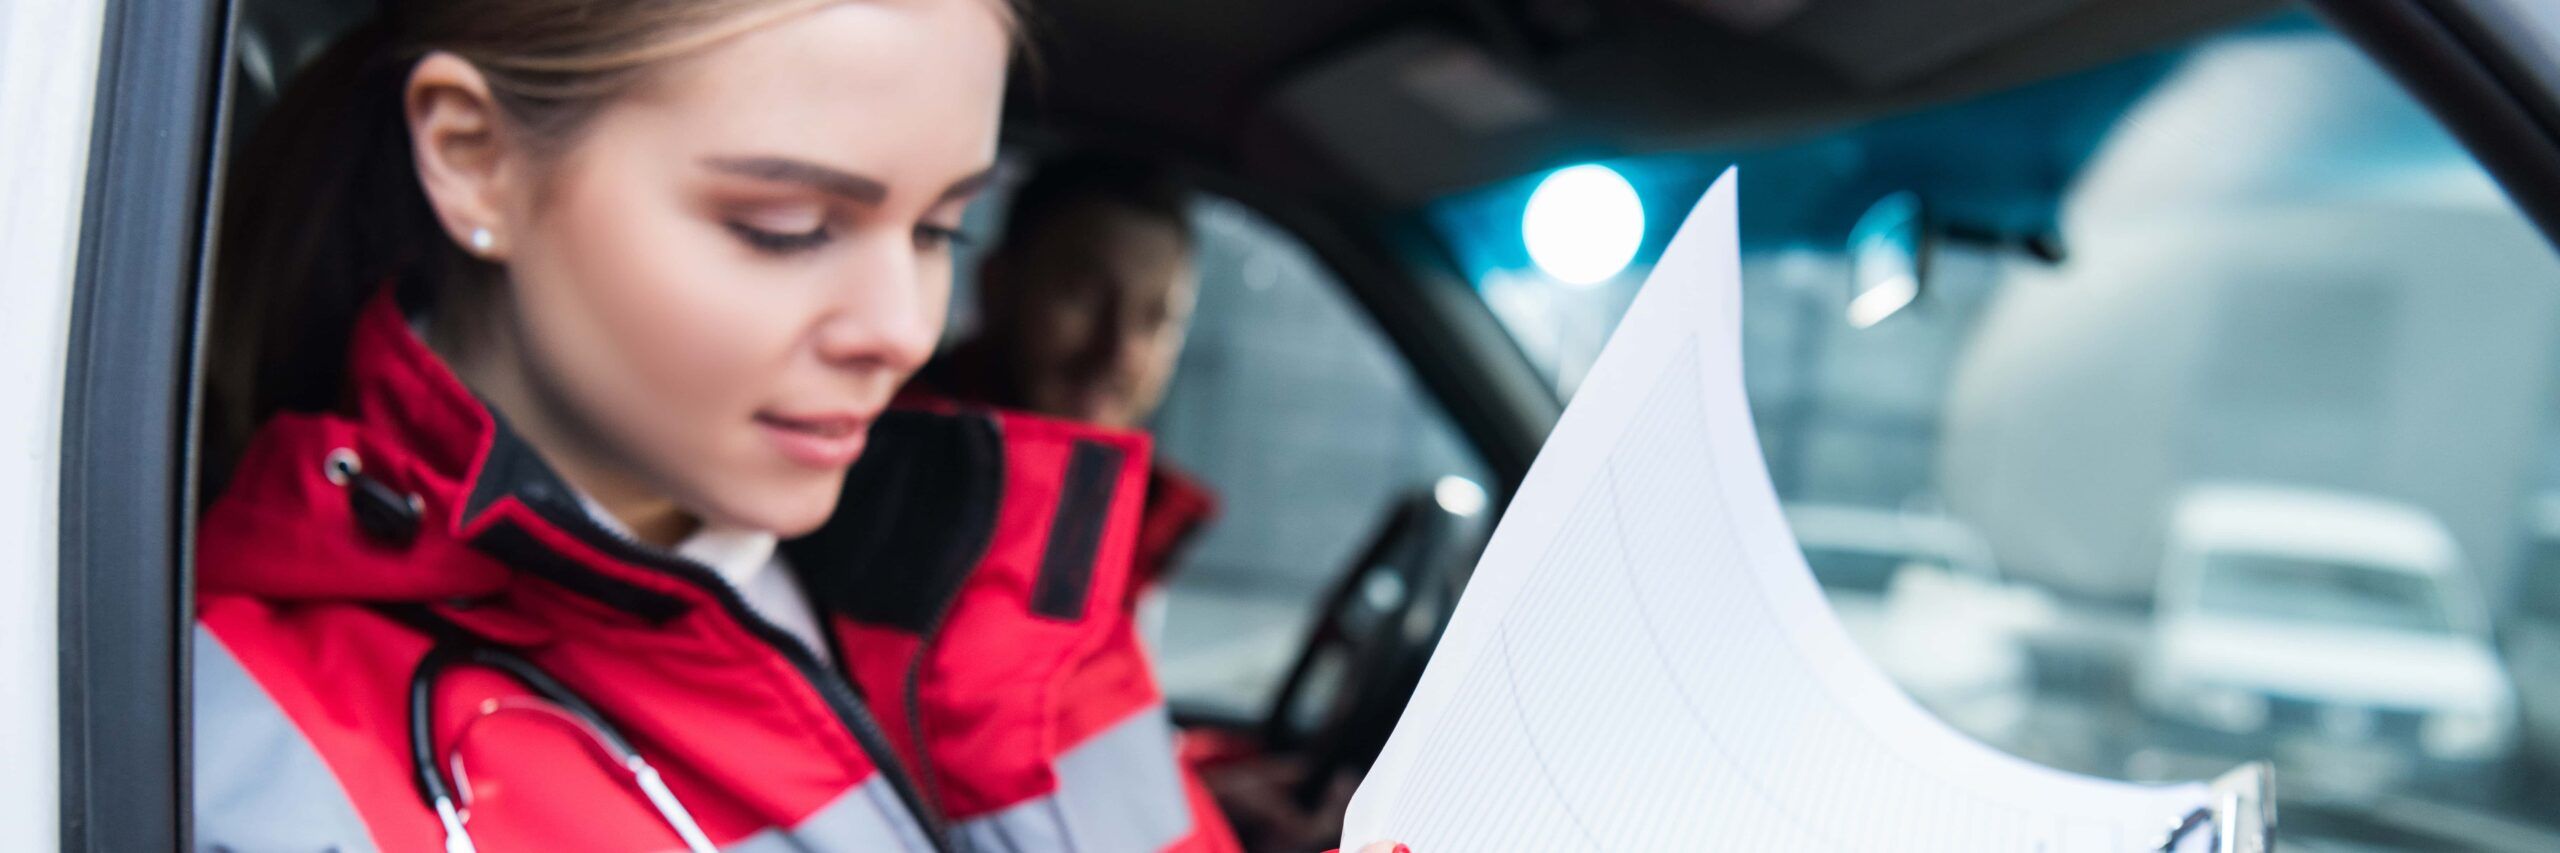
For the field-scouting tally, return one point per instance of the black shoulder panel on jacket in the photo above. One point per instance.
(918, 512)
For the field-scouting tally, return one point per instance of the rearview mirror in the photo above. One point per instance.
(1888, 258)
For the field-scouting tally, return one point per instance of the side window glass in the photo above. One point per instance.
(1295, 409)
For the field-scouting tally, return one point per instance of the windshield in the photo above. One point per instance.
(2320, 593)
(2045, 313)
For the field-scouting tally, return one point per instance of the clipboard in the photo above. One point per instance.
(2241, 817)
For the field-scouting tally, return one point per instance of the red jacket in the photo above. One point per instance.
(1177, 509)
(991, 691)
(1178, 506)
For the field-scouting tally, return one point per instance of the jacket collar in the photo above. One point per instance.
(918, 507)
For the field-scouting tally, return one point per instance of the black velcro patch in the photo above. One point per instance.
(1075, 531)
(918, 512)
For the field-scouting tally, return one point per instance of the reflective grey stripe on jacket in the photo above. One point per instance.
(261, 787)
(869, 817)
(1120, 790)
(259, 784)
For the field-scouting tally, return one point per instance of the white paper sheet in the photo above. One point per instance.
(1642, 661)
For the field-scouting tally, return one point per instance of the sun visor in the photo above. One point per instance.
(1417, 113)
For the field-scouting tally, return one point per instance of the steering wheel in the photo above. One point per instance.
(1372, 638)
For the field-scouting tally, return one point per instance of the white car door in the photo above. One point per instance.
(48, 76)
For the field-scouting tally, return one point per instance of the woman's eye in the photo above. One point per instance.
(935, 238)
(779, 242)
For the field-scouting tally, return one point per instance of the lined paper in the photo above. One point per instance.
(1642, 661)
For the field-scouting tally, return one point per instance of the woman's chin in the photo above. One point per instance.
(786, 509)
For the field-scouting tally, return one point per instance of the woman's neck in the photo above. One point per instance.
(655, 521)
(489, 361)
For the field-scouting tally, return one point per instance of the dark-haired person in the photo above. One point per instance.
(559, 504)
(1083, 303)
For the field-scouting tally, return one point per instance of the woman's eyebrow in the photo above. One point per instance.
(823, 178)
(969, 186)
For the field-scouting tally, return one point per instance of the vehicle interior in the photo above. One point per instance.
(2159, 247)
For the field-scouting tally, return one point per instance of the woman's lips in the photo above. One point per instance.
(818, 441)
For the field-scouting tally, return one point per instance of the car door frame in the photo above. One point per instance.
(124, 547)
(2480, 71)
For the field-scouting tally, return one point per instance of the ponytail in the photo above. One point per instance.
(320, 208)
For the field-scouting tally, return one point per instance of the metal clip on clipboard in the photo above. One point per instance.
(2241, 817)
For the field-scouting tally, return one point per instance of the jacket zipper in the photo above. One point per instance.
(830, 686)
(932, 633)
(914, 685)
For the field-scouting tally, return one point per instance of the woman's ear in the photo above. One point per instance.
(466, 162)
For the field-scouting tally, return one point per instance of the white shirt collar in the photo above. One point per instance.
(739, 554)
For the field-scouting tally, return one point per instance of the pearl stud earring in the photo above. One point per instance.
(482, 241)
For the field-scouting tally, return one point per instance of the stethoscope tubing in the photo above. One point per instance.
(438, 789)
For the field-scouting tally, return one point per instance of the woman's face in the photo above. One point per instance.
(718, 286)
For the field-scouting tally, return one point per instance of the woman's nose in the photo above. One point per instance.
(883, 315)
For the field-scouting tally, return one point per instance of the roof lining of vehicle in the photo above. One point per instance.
(1266, 87)
(1298, 91)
